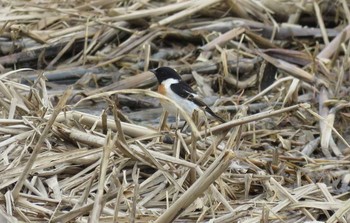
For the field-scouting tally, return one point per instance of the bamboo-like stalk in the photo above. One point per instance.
(97, 208)
(202, 184)
(195, 7)
(88, 119)
(36, 150)
(97, 141)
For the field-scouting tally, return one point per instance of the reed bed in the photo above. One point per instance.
(83, 137)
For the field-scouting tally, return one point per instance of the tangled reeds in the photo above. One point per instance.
(76, 145)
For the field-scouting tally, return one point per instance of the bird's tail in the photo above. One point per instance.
(207, 109)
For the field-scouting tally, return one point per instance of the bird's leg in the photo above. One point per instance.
(177, 118)
(183, 126)
(194, 118)
(166, 138)
(178, 123)
(162, 124)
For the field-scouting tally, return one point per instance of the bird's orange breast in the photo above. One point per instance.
(161, 89)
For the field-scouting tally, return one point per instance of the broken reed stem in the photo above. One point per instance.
(340, 212)
(36, 150)
(97, 141)
(83, 210)
(210, 175)
(217, 193)
(333, 46)
(135, 177)
(117, 203)
(244, 120)
(321, 23)
(291, 198)
(195, 7)
(89, 120)
(193, 150)
(98, 204)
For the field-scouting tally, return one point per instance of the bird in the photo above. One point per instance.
(172, 86)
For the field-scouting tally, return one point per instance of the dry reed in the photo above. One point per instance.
(277, 71)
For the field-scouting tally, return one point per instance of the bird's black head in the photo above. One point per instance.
(163, 73)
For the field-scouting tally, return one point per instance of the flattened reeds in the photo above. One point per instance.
(277, 71)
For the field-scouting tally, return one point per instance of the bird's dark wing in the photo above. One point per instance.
(185, 91)
(182, 89)
(205, 107)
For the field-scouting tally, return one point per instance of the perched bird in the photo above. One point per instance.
(172, 86)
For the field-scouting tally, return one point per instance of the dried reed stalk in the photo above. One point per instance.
(281, 156)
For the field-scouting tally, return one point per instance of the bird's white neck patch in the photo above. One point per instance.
(169, 82)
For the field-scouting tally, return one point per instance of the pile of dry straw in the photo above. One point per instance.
(280, 69)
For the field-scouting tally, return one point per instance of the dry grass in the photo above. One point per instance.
(280, 69)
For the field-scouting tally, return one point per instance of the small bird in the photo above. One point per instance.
(172, 86)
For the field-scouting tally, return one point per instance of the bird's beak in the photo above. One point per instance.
(153, 70)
